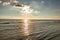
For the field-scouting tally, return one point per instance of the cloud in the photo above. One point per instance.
(6, 3)
(41, 11)
(0, 1)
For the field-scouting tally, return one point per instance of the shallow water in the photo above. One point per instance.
(16, 29)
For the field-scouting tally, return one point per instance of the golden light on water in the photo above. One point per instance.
(26, 27)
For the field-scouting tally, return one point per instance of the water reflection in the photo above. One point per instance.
(29, 29)
(26, 27)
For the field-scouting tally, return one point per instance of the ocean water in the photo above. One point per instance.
(18, 29)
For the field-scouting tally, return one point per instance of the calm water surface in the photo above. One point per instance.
(16, 29)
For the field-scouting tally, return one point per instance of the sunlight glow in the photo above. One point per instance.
(26, 27)
(25, 9)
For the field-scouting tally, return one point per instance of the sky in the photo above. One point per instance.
(43, 9)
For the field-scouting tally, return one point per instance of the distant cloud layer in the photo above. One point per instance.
(43, 9)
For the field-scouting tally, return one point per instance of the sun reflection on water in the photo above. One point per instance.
(26, 27)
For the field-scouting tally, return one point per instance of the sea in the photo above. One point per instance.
(26, 29)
